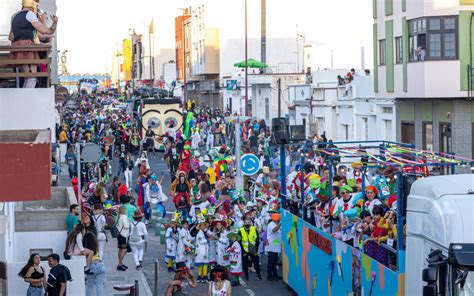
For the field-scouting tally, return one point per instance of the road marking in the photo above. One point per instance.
(247, 289)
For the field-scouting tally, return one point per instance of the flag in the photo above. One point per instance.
(151, 31)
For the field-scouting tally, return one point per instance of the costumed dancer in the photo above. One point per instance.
(235, 251)
(212, 236)
(195, 138)
(172, 234)
(185, 246)
(154, 196)
(202, 249)
(220, 226)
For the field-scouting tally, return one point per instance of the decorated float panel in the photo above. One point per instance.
(316, 264)
(161, 115)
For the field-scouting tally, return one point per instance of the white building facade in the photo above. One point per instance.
(343, 113)
(423, 52)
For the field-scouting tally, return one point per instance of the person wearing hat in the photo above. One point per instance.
(220, 229)
(172, 240)
(202, 249)
(181, 282)
(273, 246)
(25, 27)
(185, 245)
(371, 194)
(138, 236)
(235, 251)
(250, 240)
(154, 196)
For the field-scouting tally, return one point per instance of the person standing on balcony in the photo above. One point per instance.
(23, 26)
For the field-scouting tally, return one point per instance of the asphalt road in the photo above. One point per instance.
(156, 251)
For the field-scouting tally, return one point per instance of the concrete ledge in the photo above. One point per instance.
(45, 215)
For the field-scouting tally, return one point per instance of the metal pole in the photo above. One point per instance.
(185, 90)
(302, 177)
(239, 181)
(279, 97)
(283, 174)
(136, 289)
(400, 245)
(330, 193)
(150, 56)
(246, 65)
(79, 190)
(156, 276)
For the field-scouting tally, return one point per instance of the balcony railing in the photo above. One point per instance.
(9, 69)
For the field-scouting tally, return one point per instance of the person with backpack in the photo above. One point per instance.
(58, 277)
(138, 236)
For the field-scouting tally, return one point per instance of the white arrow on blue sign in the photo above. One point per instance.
(249, 164)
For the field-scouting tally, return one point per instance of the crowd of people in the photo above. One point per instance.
(216, 228)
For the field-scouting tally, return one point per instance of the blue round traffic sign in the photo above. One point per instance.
(249, 164)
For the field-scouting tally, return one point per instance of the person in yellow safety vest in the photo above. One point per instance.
(250, 241)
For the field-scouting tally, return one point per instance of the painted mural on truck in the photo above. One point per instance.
(322, 265)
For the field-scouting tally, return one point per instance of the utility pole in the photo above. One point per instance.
(263, 34)
(279, 96)
(246, 65)
(239, 181)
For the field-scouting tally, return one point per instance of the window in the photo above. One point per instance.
(344, 132)
(382, 52)
(365, 125)
(428, 136)
(449, 45)
(387, 110)
(388, 130)
(436, 41)
(398, 50)
(408, 132)
(435, 46)
(445, 137)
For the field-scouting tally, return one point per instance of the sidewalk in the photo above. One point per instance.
(116, 277)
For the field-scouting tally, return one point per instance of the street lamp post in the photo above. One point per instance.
(118, 55)
(246, 65)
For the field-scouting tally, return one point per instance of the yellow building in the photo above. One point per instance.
(127, 59)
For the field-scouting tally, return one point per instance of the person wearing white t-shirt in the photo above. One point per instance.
(273, 246)
(99, 223)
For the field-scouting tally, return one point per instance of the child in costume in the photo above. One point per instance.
(195, 139)
(235, 251)
(220, 226)
(185, 246)
(171, 235)
(202, 250)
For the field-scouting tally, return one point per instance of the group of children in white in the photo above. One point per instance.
(214, 238)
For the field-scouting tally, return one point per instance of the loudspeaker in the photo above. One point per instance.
(280, 131)
(298, 133)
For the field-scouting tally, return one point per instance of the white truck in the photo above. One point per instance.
(440, 237)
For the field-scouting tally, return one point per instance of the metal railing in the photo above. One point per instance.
(9, 68)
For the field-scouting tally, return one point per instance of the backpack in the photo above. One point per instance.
(134, 237)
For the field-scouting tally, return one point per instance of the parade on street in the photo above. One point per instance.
(234, 148)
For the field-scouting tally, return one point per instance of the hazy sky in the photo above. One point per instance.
(92, 29)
